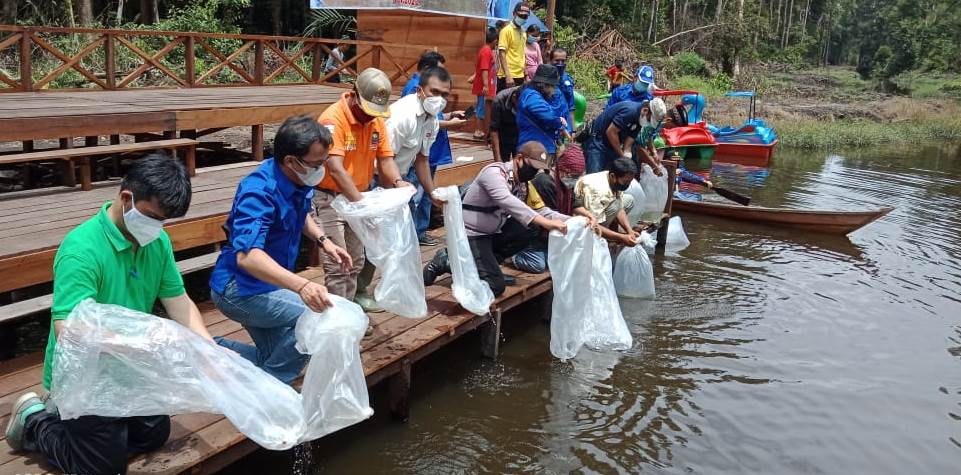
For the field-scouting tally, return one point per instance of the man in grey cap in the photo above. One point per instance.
(498, 220)
(360, 141)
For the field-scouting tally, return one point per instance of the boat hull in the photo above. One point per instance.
(821, 221)
(758, 155)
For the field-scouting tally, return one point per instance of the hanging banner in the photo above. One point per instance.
(468, 8)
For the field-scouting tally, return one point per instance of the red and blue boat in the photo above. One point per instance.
(752, 143)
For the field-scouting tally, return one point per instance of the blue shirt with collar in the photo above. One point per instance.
(440, 153)
(537, 119)
(567, 88)
(628, 93)
(268, 213)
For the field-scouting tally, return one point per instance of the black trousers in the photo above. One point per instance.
(94, 445)
(503, 84)
(507, 148)
(489, 251)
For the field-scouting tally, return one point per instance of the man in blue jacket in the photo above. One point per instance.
(641, 90)
(559, 59)
(537, 116)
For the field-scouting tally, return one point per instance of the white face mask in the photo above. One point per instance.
(434, 105)
(313, 176)
(143, 228)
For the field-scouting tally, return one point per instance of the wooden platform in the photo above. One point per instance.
(31, 228)
(204, 443)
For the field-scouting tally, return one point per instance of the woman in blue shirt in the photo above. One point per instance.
(253, 282)
(537, 110)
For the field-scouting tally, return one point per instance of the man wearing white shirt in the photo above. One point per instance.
(413, 126)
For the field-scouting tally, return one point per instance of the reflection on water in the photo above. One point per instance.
(766, 351)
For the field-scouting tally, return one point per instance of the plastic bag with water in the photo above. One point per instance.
(640, 200)
(585, 307)
(633, 273)
(470, 291)
(115, 362)
(676, 240)
(382, 221)
(335, 389)
(655, 190)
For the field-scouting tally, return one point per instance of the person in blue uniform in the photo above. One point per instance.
(641, 90)
(559, 59)
(537, 116)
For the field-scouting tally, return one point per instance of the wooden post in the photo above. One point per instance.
(190, 159)
(68, 174)
(315, 64)
(375, 56)
(91, 141)
(259, 63)
(551, 8)
(257, 142)
(190, 68)
(86, 178)
(111, 66)
(491, 335)
(399, 386)
(26, 73)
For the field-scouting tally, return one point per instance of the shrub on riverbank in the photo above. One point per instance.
(861, 133)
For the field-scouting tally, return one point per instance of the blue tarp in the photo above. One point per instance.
(740, 94)
(504, 10)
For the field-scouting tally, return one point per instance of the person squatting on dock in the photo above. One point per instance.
(120, 256)
(497, 219)
(253, 282)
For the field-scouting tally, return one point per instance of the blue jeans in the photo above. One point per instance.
(532, 260)
(597, 155)
(420, 204)
(270, 319)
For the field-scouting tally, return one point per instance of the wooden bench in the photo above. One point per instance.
(84, 154)
(25, 308)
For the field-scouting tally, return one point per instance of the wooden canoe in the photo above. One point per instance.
(822, 221)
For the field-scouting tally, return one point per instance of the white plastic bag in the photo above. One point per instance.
(116, 362)
(648, 242)
(676, 240)
(471, 292)
(585, 308)
(655, 189)
(383, 223)
(335, 389)
(634, 274)
(640, 200)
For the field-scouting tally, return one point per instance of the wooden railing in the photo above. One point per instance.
(78, 58)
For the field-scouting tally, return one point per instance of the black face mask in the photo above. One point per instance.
(526, 172)
(617, 186)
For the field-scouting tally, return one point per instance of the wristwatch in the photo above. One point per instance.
(321, 239)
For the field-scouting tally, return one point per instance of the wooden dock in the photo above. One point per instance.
(31, 228)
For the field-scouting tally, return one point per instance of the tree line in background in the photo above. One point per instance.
(881, 38)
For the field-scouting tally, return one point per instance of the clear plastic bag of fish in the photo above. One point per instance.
(648, 242)
(640, 200)
(676, 240)
(585, 309)
(655, 190)
(382, 221)
(115, 362)
(335, 389)
(471, 292)
(633, 273)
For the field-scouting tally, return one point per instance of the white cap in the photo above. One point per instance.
(658, 109)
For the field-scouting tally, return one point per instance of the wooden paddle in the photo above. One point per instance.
(735, 197)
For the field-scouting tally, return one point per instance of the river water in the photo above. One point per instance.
(765, 351)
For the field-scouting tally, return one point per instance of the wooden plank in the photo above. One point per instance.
(459, 174)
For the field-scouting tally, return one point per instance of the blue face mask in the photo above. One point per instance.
(560, 69)
(640, 87)
(532, 39)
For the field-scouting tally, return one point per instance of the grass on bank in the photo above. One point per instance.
(821, 134)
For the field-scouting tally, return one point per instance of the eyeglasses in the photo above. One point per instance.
(307, 165)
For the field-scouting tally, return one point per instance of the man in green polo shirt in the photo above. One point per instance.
(121, 256)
